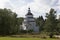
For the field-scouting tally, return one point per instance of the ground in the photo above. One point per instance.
(15, 38)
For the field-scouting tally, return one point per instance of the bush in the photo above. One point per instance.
(23, 31)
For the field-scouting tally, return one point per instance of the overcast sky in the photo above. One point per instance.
(38, 7)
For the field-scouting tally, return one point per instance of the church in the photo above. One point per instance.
(29, 22)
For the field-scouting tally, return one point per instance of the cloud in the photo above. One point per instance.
(2, 3)
(38, 7)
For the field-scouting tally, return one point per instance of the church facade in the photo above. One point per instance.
(29, 22)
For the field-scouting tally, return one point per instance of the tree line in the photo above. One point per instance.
(51, 24)
(9, 23)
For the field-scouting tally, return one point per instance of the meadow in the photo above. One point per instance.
(15, 38)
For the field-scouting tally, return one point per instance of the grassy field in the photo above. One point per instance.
(13, 38)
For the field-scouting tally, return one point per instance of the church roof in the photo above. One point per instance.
(29, 12)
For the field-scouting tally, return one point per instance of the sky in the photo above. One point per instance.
(38, 7)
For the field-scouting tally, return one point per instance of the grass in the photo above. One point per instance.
(14, 38)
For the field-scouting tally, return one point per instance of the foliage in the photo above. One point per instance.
(19, 22)
(50, 23)
(40, 22)
(58, 26)
(7, 21)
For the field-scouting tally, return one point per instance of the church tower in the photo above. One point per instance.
(29, 22)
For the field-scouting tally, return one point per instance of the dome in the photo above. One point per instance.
(29, 12)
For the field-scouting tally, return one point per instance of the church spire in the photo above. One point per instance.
(29, 11)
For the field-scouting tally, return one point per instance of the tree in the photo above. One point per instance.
(19, 22)
(50, 23)
(7, 21)
(40, 22)
(58, 26)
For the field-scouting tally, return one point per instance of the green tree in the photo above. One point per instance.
(7, 21)
(58, 26)
(40, 22)
(19, 22)
(50, 23)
